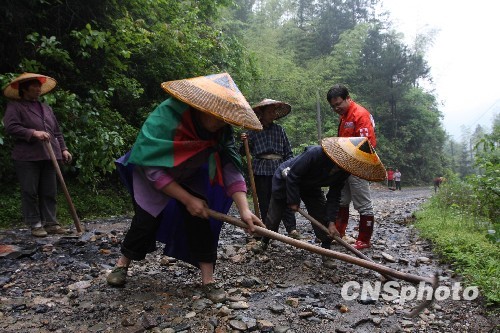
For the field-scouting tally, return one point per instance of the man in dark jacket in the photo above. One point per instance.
(303, 177)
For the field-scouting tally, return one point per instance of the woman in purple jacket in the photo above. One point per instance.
(31, 122)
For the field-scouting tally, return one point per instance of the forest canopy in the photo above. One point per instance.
(110, 57)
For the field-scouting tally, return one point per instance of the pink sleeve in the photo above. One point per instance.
(233, 180)
(158, 176)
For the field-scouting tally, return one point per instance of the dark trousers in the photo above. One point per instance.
(38, 185)
(263, 186)
(141, 237)
(315, 202)
(398, 185)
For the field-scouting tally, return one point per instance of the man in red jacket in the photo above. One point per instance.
(355, 121)
(390, 178)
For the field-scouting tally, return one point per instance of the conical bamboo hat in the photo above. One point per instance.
(355, 155)
(280, 109)
(12, 89)
(217, 95)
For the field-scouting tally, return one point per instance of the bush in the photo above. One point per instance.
(460, 232)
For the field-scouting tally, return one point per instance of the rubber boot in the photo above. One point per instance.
(365, 232)
(342, 220)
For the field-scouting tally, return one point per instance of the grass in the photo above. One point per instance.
(462, 239)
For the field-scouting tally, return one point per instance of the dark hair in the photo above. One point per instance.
(24, 85)
(337, 90)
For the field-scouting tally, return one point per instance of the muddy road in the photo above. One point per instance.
(57, 284)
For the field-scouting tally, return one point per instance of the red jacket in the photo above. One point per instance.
(357, 121)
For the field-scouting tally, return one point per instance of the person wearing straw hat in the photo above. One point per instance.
(269, 148)
(31, 122)
(183, 162)
(302, 178)
(355, 120)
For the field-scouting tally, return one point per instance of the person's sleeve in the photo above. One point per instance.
(159, 177)
(14, 125)
(333, 199)
(56, 130)
(365, 127)
(233, 179)
(295, 175)
(287, 149)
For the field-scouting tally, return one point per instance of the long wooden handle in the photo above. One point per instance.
(339, 240)
(63, 185)
(252, 180)
(325, 252)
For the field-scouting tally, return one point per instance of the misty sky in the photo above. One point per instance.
(465, 57)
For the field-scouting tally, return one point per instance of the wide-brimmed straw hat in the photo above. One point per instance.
(12, 89)
(217, 95)
(355, 155)
(280, 109)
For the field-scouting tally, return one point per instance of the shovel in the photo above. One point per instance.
(252, 180)
(339, 240)
(336, 255)
(63, 185)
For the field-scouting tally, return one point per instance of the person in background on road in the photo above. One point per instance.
(437, 183)
(183, 162)
(269, 148)
(390, 178)
(397, 179)
(355, 121)
(303, 177)
(32, 123)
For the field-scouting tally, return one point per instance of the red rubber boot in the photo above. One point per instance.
(365, 232)
(342, 220)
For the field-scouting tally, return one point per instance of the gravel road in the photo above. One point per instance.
(57, 284)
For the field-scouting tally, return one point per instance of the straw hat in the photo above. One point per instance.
(12, 89)
(355, 155)
(281, 109)
(217, 95)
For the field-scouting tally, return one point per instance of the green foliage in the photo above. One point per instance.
(94, 133)
(462, 239)
(486, 184)
(110, 59)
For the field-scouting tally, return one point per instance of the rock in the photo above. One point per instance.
(237, 324)
(265, 325)
(10, 251)
(423, 260)
(377, 321)
(200, 304)
(79, 285)
(306, 314)
(344, 309)
(147, 321)
(277, 308)
(238, 305)
(190, 315)
(406, 323)
(388, 257)
(292, 301)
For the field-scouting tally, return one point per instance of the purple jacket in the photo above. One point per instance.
(22, 118)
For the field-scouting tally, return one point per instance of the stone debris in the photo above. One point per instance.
(57, 284)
